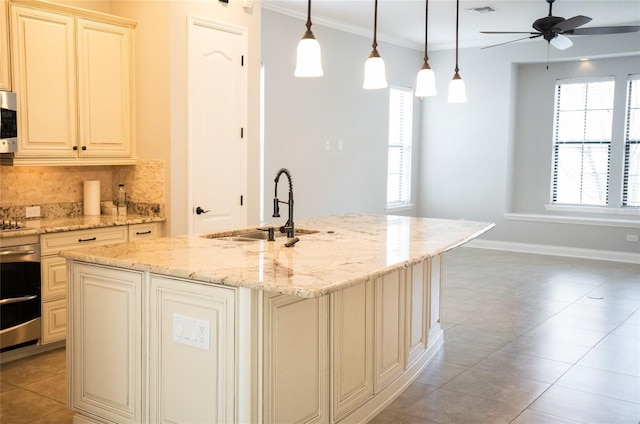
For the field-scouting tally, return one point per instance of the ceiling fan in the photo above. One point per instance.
(555, 29)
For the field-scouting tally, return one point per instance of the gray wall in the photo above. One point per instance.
(463, 166)
(467, 167)
(302, 114)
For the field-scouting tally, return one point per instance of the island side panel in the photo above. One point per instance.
(105, 343)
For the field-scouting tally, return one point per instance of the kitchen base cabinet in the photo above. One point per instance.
(191, 325)
(224, 354)
(105, 343)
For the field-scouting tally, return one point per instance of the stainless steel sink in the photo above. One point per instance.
(253, 234)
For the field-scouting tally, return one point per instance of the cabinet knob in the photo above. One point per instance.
(75, 147)
(84, 147)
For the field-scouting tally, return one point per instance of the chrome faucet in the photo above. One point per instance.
(288, 227)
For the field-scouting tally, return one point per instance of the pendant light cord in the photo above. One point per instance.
(309, 16)
(457, 17)
(375, 26)
(426, 31)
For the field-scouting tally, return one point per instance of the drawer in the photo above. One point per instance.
(145, 231)
(54, 321)
(53, 243)
(54, 277)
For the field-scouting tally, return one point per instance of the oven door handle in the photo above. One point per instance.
(18, 299)
(17, 252)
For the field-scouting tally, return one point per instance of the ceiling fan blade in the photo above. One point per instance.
(509, 32)
(561, 42)
(512, 41)
(571, 23)
(605, 30)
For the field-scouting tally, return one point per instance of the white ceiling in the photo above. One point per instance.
(402, 21)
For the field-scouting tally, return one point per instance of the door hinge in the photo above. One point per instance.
(241, 200)
(241, 132)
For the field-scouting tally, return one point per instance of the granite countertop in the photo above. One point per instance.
(346, 250)
(57, 225)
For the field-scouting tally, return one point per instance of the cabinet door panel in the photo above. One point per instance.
(192, 352)
(352, 347)
(106, 338)
(296, 364)
(104, 89)
(5, 67)
(54, 320)
(417, 310)
(390, 320)
(43, 57)
(54, 277)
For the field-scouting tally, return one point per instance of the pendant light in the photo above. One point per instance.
(374, 73)
(308, 63)
(456, 86)
(426, 80)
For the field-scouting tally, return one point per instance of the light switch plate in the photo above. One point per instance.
(191, 331)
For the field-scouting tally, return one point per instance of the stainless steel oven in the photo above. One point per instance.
(20, 321)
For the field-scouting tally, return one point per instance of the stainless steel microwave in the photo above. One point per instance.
(8, 122)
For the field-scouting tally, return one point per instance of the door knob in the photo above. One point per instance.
(200, 211)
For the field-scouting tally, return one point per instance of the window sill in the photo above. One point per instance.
(610, 221)
(594, 209)
(398, 208)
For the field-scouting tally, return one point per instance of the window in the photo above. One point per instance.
(582, 141)
(631, 179)
(399, 151)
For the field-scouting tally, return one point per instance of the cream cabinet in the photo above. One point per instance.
(352, 354)
(296, 349)
(54, 267)
(105, 343)
(74, 78)
(192, 352)
(5, 65)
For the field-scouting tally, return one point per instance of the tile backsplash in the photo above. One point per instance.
(58, 190)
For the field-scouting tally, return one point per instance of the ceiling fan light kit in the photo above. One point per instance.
(554, 29)
(426, 79)
(374, 70)
(309, 58)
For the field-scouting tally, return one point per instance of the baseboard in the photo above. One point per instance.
(573, 252)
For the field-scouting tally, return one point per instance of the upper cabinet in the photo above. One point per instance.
(73, 74)
(5, 67)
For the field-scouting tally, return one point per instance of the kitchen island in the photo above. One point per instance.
(226, 329)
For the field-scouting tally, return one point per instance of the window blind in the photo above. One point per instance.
(399, 146)
(582, 141)
(631, 174)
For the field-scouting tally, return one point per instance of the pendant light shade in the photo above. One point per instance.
(457, 91)
(374, 70)
(309, 58)
(426, 80)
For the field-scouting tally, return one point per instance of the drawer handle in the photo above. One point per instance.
(89, 239)
(138, 233)
(18, 299)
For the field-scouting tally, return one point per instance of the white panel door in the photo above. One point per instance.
(217, 101)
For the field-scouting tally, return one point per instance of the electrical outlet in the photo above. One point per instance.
(339, 144)
(328, 145)
(32, 211)
(632, 238)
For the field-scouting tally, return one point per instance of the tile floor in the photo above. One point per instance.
(529, 339)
